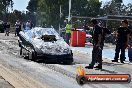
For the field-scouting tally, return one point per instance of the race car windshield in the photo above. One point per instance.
(46, 31)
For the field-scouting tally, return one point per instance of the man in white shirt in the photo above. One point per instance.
(18, 28)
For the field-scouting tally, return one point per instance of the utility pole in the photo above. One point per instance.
(60, 20)
(69, 16)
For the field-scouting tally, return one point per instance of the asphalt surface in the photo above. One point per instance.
(22, 73)
(4, 83)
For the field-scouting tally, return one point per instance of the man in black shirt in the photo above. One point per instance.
(97, 46)
(7, 29)
(18, 28)
(122, 41)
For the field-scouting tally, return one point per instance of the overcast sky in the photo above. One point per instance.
(22, 4)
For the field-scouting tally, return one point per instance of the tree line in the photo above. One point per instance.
(47, 12)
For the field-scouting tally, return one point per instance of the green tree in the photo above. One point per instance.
(32, 10)
(4, 5)
(17, 15)
(32, 5)
(48, 11)
(114, 8)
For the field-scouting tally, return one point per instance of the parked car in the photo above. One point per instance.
(45, 43)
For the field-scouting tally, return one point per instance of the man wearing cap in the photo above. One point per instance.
(97, 46)
(123, 33)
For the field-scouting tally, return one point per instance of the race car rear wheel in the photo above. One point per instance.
(32, 56)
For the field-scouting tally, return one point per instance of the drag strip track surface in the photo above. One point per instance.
(29, 74)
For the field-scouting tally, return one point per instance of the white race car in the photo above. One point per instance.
(45, 43)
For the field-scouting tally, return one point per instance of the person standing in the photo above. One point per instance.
(28, 25)
(130, 49)
(31, 25)
(7, 29)
(68, 32)
(122, 41)
(4, 26)
(130, 46)
(18, 28)
(97, 46)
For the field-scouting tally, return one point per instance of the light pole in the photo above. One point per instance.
(60, 20)
(69, 16)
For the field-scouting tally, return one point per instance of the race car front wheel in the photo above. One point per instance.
(21, 51)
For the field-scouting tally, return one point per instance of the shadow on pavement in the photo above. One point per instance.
(112, 72)
(111, 64)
